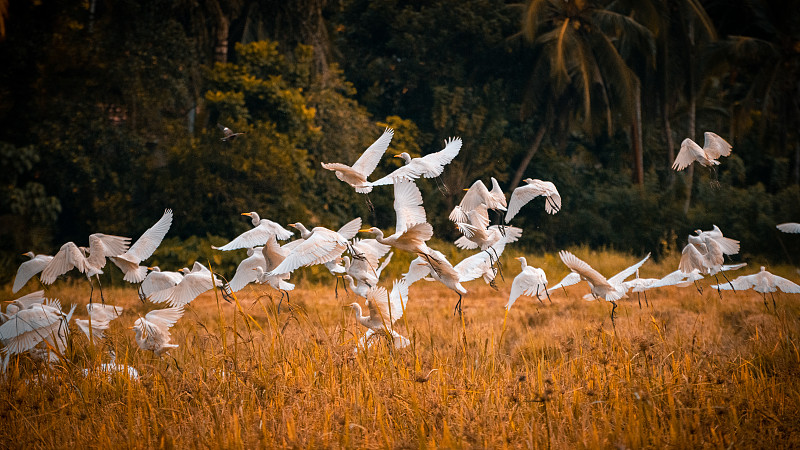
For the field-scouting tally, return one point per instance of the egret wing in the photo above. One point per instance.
(369, 160)
(146, 245)
(246, 270)
(28, 269)
(585, 270)
(714, 146)
(67, 258)
(789, 227)
(407, 205)
(621, 276)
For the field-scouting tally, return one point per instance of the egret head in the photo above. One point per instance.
(528, 180)
(405, 156)
(29, 254)
(373, 230)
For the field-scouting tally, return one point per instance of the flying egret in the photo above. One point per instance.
(274, 254)
(762, 282)
(478, 233)
(246, 270)
(101, 317)
(142, 249)
(706, 253)
(356, 176)
(264, 228)
(428, 166)
(727, 245)
(360, 289)
(70, 256)
(524, 194)
(611, 289)
(152, 330)
(478, 194)
(25, 302)
(193, 283)
(483, 264)
(384, 310)
(320, 245)
(412, 230)
(28, 327)
(29, 269)
(158, 280)
(713, 148)
(530, 281)
(227, 133)
(789, 227)
(365, 266)
(436, 265)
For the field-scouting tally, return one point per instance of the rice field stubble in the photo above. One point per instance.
(691, 370)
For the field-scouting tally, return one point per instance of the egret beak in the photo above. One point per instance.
(397, 156)
(292, 225)
(465, 189)
(365, 231)
(245, 214)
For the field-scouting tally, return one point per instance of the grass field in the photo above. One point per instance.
(688, 371)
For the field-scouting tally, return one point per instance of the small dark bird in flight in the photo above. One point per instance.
(229, 134)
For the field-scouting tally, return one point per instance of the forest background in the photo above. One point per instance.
(109, 112)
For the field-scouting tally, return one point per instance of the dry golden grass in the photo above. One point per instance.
(689, 371)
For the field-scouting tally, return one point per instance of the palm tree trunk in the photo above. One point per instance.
(537, 141)
(636, 135)
(692, 116)
(223, 30)
(670, 141)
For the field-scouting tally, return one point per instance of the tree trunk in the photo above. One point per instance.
(223, 30)
(537, 141)
(636, 136)
(692, 115)
(670, 141)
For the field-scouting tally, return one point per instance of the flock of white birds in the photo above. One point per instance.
(38, 325)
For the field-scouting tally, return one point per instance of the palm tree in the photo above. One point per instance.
(577, 64)
(769, 63)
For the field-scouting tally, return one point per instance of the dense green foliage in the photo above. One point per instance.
(109, 114)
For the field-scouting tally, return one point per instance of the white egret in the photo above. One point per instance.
(524, 194)
(530, 281)
(274, 254)
(264, 228)
(152, 330)
(478, 194)
(111, 367)
(25, 302)
(142, 249)
(762, 282)
(360, 289)
(320, 245)
(436, 265)
(727, 245)
(482, 264)
(29, 269)
(705, 254)
(227, 133)
(412, 230)
(101, 317)
(713, 147)
(356, 175)
(193, 283)
(70, 256)
(611, 289)
(384, 311)
(365, 266)
(158, 280)
(428, 166)
(788, 227)
(246, 270)
(478, 233)
(28, 327)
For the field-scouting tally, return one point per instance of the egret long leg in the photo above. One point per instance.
(140, 291)
(548, 295)
(458, 306)
(774, 306)
(729, 281)
(718, 289)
